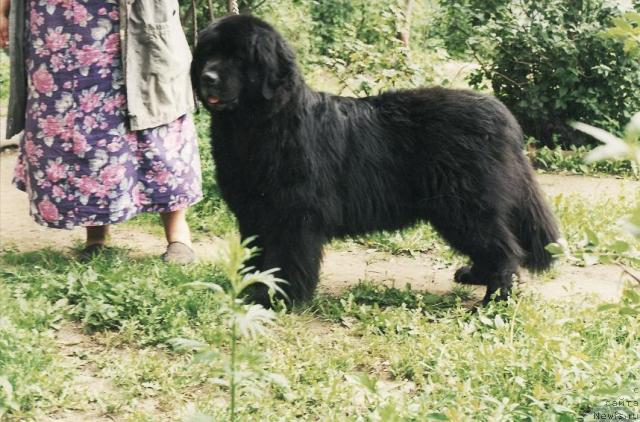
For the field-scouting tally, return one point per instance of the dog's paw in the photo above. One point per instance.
(499, 295)
(465, 275)
(258, 295)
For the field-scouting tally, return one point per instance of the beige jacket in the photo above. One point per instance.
(156, 61)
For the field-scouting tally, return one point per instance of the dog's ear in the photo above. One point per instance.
(275, 60)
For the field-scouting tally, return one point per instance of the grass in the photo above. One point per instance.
(371, 353)
(141, 297)
(593, 230)
(30, 376)
(4, 80)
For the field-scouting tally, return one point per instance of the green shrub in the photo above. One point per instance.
(460, 20)
(358, 42)
(573, 160)
(4, 79)
(627, 30)
(549, 63)
(208, 10)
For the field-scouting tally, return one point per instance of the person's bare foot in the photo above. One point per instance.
(176, 228)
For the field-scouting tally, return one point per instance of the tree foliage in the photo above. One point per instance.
(355, 42)
(361, 48)
(548, 62)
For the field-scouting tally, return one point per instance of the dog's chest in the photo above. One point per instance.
(260, 159)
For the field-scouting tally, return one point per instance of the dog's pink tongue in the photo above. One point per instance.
(213, 100)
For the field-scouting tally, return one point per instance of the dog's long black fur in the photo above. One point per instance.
(299, 167)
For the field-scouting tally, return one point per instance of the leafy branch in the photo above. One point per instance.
(241, 370)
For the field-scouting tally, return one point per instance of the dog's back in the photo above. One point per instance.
(451, 157)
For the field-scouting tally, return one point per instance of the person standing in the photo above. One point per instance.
(102, 93)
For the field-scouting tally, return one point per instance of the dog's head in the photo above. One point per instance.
(242, 60)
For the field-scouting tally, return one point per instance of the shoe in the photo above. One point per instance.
(179, 253)
(91, 251)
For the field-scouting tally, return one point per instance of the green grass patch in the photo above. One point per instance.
(369, 352)
(370, 294)
(143, 298)
(593, 229)
(4, 80)
(31, 379)
(421, 238)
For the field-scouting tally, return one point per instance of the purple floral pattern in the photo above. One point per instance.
(78, 162)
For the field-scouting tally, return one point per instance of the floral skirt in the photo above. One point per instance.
(78, 161)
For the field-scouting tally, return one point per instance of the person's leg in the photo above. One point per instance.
(95, 243)
(176, 228)
(97, 235)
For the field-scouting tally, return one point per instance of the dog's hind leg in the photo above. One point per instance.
(497, 273)
(494, 266)
(489, 243)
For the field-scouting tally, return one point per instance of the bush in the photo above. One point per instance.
(460, 20)
(207, 10)
(549, 62)
(361, 47)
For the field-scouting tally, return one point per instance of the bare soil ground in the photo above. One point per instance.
(343, 268)
(74, 348)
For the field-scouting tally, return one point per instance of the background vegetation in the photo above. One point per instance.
(549, 61)
(369, 353)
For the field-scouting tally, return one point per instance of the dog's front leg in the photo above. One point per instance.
(250, 228)
(297, 252)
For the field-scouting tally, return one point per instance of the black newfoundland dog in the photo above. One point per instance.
(299, 167)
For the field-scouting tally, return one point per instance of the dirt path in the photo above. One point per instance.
(341, 268)
(595, 188)
(75, 349)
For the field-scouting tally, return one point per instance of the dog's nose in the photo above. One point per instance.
(211, 78)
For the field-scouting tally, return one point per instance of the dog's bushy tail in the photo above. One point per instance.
(537, 227)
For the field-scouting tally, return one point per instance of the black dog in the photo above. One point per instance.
(299, 167)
